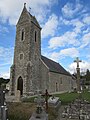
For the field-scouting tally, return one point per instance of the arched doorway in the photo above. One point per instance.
(20, 85)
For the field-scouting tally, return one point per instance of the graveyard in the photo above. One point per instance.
(23, 110)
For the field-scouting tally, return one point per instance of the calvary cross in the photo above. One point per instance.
(46, 95)
(77, 61)
(78, 74)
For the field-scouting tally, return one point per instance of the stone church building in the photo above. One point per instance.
(30, 70)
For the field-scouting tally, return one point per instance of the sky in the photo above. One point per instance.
(65, 31)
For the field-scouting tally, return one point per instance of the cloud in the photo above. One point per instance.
(70, 9)
(5, 75)
(78, 24)
(10, 10)
(84, 65)
(6, 55)
(3, 29)
(75, 23)
(85, 40)
(69, 38)
(86, 20)
(50, 27)
(69, 52)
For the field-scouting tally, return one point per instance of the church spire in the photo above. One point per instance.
(24, 4)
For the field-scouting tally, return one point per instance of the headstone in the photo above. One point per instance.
(4, 113)
(2, 96)
(18, 96)
(3, 107)
(54, 102)
(40, 113)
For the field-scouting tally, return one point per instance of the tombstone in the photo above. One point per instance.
(18, 96)
(3, 113)
(40, 113)
(3, 107)
(54, 102)
(2, 96)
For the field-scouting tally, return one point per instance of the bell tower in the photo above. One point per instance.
(25, 71)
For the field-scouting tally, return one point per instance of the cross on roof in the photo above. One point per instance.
(24, 4)
(77, 61)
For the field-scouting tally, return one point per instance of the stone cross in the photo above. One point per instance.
(78, 74)
(46, 95)
(77, 61)
(39, 100)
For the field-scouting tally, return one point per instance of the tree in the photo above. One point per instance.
(4, 81)
(87, 75)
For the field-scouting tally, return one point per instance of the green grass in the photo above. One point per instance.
(65, 97)
(69, 97)
(86, 95)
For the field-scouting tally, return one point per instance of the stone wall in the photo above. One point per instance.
(27, 54)
(59, 82)
(44, 77)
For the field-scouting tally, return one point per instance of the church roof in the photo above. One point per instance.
(54, 66)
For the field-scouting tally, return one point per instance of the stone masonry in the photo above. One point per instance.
(29, 72)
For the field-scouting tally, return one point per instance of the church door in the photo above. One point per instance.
(20, 85)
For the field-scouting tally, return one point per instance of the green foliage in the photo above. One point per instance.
(88, 75)
(4, 81)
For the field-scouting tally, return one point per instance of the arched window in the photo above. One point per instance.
(22, 34)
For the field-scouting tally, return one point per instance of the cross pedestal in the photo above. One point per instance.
(78, 74)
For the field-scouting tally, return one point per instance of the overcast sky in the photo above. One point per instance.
(65, 31)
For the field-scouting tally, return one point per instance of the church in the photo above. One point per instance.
(32, 71)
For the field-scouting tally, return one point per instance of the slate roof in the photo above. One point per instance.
(54, 66)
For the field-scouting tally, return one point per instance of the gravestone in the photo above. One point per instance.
(18, 96)
(3, 107)
(40, 113)
(54, 102)
(2, 96)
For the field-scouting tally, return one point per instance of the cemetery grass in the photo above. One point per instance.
(69, 97)
(24, 110)
(20, 110)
